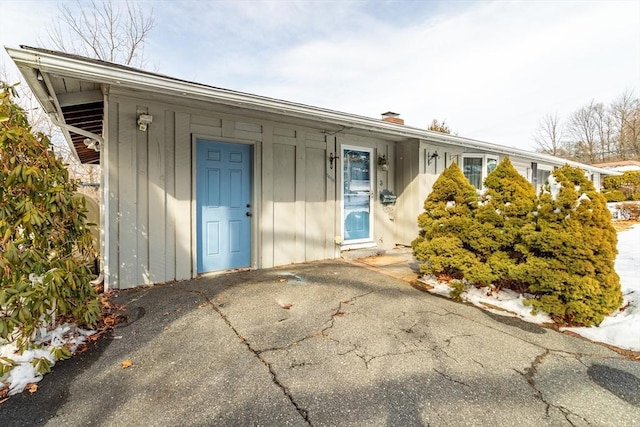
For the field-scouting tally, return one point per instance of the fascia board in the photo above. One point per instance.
(140, 80)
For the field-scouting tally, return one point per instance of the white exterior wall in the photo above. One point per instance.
(416, 172)
(148, 192)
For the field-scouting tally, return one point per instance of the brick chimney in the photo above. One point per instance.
(392, 117)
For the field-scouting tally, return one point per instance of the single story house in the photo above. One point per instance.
(197, 179)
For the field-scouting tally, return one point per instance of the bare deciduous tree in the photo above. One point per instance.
(594, 133)
(106, 30)
(441, 127)
(549, 136)
(584, 132)
(605, 129)
(625, 112)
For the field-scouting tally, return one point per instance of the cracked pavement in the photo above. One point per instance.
(328, 343)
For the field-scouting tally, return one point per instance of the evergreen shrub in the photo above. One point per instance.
(614, 196)
(558, 247)
(571, 252)
(446, 237)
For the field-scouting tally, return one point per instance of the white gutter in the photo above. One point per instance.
(131, 78)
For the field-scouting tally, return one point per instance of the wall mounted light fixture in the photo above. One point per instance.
(144, 120)
(383, 162)
(332, 157)
(433, 156)
(92, 144)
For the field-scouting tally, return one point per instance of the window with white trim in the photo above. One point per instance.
(476, 167)
(540, 174)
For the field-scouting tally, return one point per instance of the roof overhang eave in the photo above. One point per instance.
(110, 74)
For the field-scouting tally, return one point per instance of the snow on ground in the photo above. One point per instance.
(43, 345)
(621, 329)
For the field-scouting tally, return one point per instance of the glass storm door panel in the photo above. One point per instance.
(223, 200)
(357, 201)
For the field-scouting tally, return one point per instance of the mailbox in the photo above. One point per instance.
(387, 197)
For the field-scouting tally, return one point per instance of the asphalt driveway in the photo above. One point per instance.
(328, 343)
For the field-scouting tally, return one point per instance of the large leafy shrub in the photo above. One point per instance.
(45, 245)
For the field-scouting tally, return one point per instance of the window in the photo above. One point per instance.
(542, 176)
(477, 167)
(539, 175)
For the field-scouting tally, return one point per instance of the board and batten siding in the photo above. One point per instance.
(416, 172)
(148, 192)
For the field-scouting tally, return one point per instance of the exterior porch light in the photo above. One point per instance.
(433, 156)
(383, 162)
(144, 120)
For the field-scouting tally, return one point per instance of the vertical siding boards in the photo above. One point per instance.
(300, 180)
(170, 196)
(284, 203)
(183, 194)
(142, 203)
(407, 178)
(127, 193)
(316, 219)
(267, 238)
(110, 193)
(157, 198)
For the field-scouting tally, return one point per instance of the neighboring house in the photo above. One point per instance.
(196, 179)
(620, 165)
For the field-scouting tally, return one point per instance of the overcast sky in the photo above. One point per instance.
(491, 69)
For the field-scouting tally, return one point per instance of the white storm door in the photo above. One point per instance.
(357, 200)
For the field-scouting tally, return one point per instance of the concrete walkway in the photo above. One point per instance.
(328, 343)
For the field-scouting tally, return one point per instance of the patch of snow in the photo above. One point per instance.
(43, 345)
(554, 186)
(582, 197)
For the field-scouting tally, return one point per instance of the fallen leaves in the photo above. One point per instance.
(127, 364)
(32, 387)
(286, 306)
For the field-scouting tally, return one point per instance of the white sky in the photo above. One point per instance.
(491, 69)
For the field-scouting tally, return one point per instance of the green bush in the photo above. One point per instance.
(571, 252)
(628, 184)
(614, 196)
(444, 244)
(508, 202)
(560, 247)
(45, 245)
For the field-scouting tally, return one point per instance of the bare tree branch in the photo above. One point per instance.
(103, 30)
(584, 132)
(549, 136)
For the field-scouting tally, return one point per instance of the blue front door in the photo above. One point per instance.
(223, 200)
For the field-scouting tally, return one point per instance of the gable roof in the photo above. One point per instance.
(71, 89)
